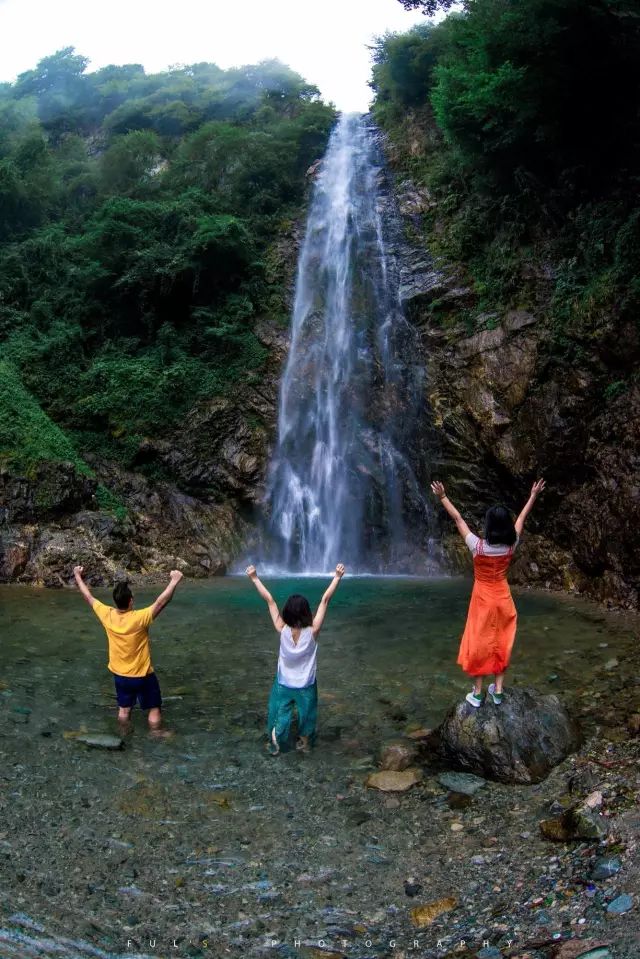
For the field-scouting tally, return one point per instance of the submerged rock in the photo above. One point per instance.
(419, 734)
(394, 781)
(578, 822)
(465, 783)
(606, 867)
(633, 724)
(620, 905)
(582, 949)
(100, 741)
(397, 756)
(519, 741)
(423, 916)
(412, 888)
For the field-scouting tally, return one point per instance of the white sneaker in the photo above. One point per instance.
(496, 697)
(474, 700)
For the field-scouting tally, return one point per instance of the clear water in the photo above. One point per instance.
(204, 835)
(215, 648)
(341, 487)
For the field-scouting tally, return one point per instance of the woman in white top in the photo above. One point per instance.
(295, 683)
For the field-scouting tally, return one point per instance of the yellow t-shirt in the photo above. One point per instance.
(128, 634)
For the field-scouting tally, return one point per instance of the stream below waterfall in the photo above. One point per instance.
(203, 837)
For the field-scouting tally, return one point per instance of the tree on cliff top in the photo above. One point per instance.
(528, 111)
(543, 90)
(429, 7)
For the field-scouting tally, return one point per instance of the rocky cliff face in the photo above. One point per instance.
(503, 409)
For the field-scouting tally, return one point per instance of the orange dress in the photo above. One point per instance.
(490, 631)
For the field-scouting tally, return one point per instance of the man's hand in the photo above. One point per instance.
(340, 570)
(251, 572)
(167, 594)
(82, 586)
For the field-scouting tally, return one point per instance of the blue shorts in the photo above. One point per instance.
(142, 689)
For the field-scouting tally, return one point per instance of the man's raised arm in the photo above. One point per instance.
(82, 586)
(167, 595)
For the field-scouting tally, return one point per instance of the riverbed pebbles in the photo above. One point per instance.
(101, 847)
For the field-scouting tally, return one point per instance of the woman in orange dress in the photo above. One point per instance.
(490, 631)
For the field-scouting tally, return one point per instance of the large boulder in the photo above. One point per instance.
(519, 741)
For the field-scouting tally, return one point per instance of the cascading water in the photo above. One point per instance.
(341, 487)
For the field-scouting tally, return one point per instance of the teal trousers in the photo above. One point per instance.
(282, 701)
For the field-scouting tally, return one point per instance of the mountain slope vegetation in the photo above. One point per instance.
(139, 214)
(522, 117)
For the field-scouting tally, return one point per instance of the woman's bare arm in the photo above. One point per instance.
(321, 611)
(536, 489)
(274, 612)
(439, 490)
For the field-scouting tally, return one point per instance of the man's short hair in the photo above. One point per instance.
(122, 595)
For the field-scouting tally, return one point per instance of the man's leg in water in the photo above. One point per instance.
(126, 697)
(151, 699)
(155, 718)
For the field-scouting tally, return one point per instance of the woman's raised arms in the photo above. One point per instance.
(274, 612)
(318, 619)
(438, 490)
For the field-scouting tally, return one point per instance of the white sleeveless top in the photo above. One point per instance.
(480, 547)
(297, 661)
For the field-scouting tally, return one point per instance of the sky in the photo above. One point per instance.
(324, 40)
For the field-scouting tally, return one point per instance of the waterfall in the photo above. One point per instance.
(341, 486)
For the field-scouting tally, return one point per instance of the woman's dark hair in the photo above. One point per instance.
(122, 595)
(297, 612)
(498, 527)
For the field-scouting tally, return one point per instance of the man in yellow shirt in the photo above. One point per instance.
(129, 655)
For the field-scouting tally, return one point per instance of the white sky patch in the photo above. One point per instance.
(324, 40)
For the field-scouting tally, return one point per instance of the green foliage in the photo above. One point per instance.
(27, 435)
(521, 115)
(110, 503)
(516, 87)
(428, 7)
(403, 66)
(130, 163)
(135, 214)
(615, 389)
